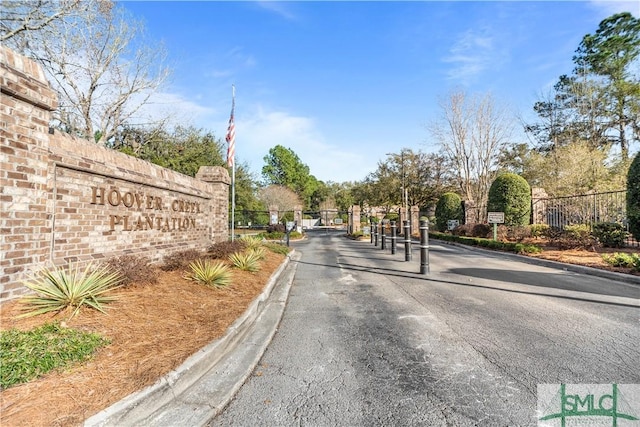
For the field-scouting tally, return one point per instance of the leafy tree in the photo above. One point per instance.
(449, 206)
(97, 60)
(511, 194)
(284, 167)
(633, 197)
(611, 54)
(575, 168)
(183, 149)
(600, 101)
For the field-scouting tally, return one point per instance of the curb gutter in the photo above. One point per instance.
(204, 384)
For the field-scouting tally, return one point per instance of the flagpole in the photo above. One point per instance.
(231, 137)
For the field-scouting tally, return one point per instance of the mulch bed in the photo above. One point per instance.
(152, 328)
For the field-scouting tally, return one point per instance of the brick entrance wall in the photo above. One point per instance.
(65, 199)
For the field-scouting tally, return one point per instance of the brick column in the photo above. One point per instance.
(354, 218)
(26, 105)
(218, 211)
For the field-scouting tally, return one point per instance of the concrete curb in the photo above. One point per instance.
(590, 271)
(204, 384)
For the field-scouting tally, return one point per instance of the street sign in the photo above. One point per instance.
(495, 217)
(452, 224)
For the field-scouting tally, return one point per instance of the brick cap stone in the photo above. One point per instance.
(213, 174)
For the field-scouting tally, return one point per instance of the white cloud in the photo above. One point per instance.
(178, 108)
(278, 7)
(473, 53)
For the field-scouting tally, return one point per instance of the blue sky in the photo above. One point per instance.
(343, 83)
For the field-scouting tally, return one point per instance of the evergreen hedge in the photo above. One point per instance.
(449, 206)
(633, 197)
(511, 194)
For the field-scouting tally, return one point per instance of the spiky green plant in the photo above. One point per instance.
(209, 273)
(70, 288)
(246, 261)
(251, 242)
(259, 251)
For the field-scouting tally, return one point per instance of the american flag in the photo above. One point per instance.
(231, 134)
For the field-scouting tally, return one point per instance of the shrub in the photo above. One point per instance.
(276, 248)
(621, 259)
(210, 274)
(273, 235)
(610, 234)
(251, 242)
(463, 230)
(511, 194)
(133, 269)
(449, 206)
(278, 228)
(246, 261)
(633, 197)
(518, 233)
(70, 289)
(481, 230)
(259, 251)
(539, 230)
(222, 250)
(27, 355)
(180, 260)
(572, 237)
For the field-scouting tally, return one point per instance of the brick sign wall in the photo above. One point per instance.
(65, 199)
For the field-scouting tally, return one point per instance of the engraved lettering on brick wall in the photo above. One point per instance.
(150, 210)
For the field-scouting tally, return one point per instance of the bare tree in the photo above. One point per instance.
(103, 69)
(472, 131)
(281, 197)
(28, 16)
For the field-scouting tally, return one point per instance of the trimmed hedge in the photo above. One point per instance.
(510, 193)
(449, 206)
(633, 197)
(518, 248)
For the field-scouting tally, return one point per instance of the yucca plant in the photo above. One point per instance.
(246, 261)
(210, 274)
(251, 242)
(70, 289)
(259, 251)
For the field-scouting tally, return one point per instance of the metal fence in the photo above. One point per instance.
(586, 209)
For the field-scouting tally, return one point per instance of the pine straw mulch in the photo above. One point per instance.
(152, 328)
(591, 257)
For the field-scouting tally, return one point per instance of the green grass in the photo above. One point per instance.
(27, 355)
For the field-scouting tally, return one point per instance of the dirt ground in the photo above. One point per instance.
(153, 329)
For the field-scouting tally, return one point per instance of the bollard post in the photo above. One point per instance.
(393, 237)
(424, 246)
(371, 231)
(407, 241)
(383, 246)
(375, 231)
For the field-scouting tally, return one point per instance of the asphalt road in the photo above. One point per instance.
(367, 341)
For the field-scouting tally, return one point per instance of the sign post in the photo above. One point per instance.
(495, 218)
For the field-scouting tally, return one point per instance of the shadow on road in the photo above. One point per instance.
(526, 278)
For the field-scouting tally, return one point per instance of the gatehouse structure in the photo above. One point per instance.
(65, 199)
